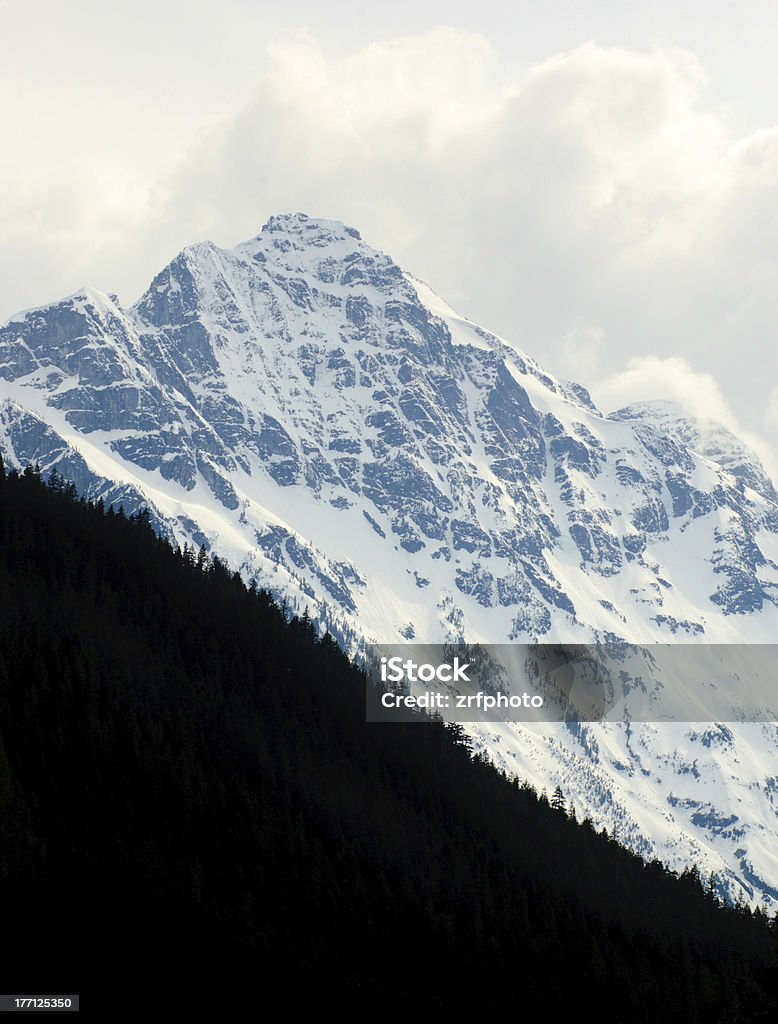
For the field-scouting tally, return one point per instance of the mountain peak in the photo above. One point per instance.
(654, 407)
(82, 299)
(707, 436)
(308, 228)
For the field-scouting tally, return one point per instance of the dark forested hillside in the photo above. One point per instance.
(194, 810)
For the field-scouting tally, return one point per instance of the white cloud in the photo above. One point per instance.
(697, 393)
(672, 379)
(58, 229)
(772, 410)
(421, 93)
(582, 349)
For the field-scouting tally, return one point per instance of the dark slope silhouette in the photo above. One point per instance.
(195, 810)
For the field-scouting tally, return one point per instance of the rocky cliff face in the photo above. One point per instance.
(323, 420)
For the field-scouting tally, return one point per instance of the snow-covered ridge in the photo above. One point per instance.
(306, 408)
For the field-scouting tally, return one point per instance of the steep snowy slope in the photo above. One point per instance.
(327, 423)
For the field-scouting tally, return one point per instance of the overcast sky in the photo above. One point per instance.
(596, 181)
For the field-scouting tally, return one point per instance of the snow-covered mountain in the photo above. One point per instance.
(330, 426)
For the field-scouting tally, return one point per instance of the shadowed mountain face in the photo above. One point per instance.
(329, 425)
